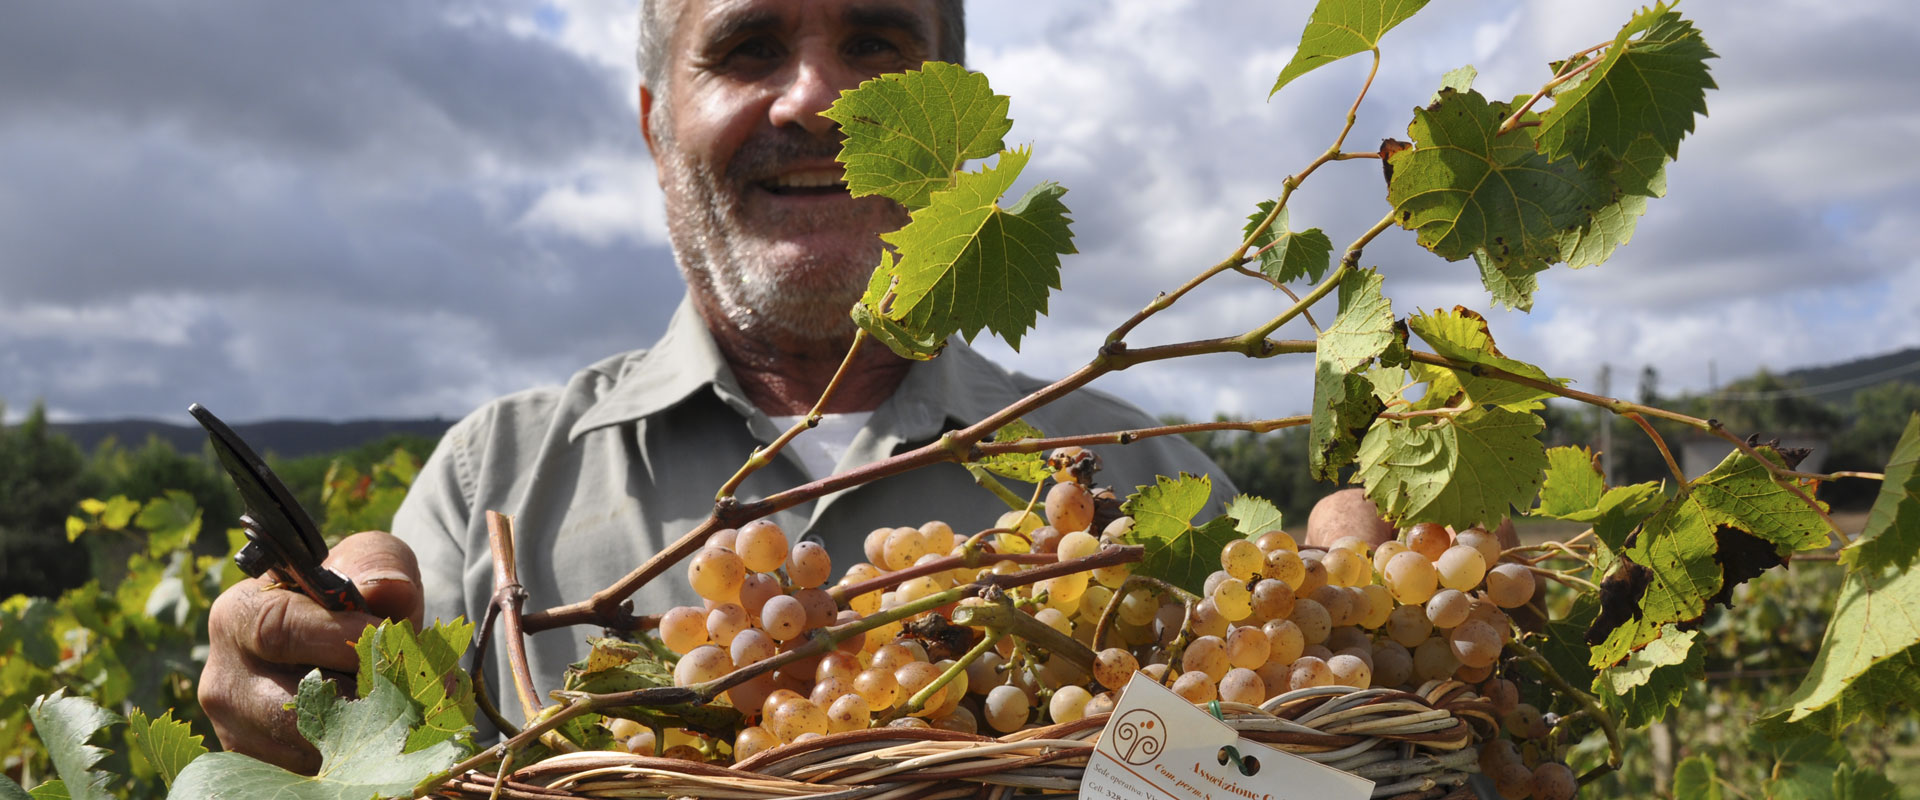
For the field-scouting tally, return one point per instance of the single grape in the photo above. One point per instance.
(916, 676)
(701, 664)
(1411, 578)
(756, 590)
(1336, 601)
(683, 628)
(1347, 568)
(1247, 646)
(1078, 544)
(903, 547)
(1392, 664)
(1138, 607)
(1503, 693)
(1466, 674)
(1524, 721)
(772, 703)
(1206, 654)
(1272, 599)
(762, 545)
(1055, 620)
(955, 690)
(938, 535)
(1319, 651)
(1285, 641)
(1101, 703)
(1242, 685)
(1242, 559)
(818, 605)
(1287, 567)
(1553, 780)
(726, 621)
(723, 538)
(1498, 752)
(1195, 687)
(1513, 781)
(1385, 552)
(1276, 540)
(1461, 567)
(878, 686)
(1357, 544)
(1475, 643)
(1379, 605)
(913, 648)
(797, 716)
(960, 720)
(1006, 708)
(1113, 667)
(909, 722)
(1510, 585)
(1409, 625)
(1314, 562)
(1479, 539)
(1064, 591)
(1350, 670)
(1208, 619)
(1233, 599)
(1434, 660)
(783, 617)
(1062, 460)
(641, 744)
(863, 603)
(1093, 601)
(1429, 539)
(854, 642)
(1310, 671)
(751, 646)
(1448, 608)
(808, 565)
(1069, 507)
(622, 728)
(876, 546)
(1069, 703)
(1045, 539)
(848, 712)
(716, 574)
(826, 690)
(1314, 621)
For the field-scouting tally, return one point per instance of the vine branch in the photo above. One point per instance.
(763, 456)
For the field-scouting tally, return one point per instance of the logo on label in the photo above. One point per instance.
(1139, 736)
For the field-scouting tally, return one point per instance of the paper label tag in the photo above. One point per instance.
(1158, 746)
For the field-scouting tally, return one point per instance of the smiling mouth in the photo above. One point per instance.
(811, 183)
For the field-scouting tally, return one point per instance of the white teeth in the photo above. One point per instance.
(811, 179)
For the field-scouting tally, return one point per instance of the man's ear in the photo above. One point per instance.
(646, 118)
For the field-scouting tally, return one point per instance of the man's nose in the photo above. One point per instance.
(813, 86)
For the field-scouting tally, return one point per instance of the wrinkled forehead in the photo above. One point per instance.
(693, 22)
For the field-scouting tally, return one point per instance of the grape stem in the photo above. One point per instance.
(999, 614)
(509, 596)
(1107, 615)
(1570, 580)
(763, 456)
(987, 481)
(1282, 287)
(1615, 750)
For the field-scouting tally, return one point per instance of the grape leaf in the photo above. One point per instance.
(1869, 660)
(1574, 490)
(916, 345)
(1024, 467)
(1730, 524)
(65, 724)
(1186, 559)
(1253, 516)
(1653, 84)
(1462, 335)
(1294, 254)
(1852, 782)
(1340, 28)
(361, 751)
(907, 133)
(1462, 189)
(172, 522)
(427, 666)
(1166, 509)
(12, 791)
(1640, 689)
(51, 790)
(1344, 402)
(1694, 779)
(1461, 470)
(1892, 534)
(616, 666)
(1512, 283)
(1640, 174)
(167, 744)
(1459, 79)
(966, 263)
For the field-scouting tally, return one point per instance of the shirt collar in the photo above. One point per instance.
(960, 386)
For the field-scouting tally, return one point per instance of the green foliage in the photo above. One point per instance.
(42, 475)
(1649, 83)
(66, 724)
(362, 747)
(1869, 662)
(909, 156)
(1287, 255)
(356, 501)
(1892, 534)
(1340, 28)
(1344, 402)
(1023, 467)
(1458, 469)
(1166, 509)
(1462, 335)
(619, 666)
(166, 745)
(1253, 515)
(427, 666)
(1177, 551)
(1653, 679)
(1694, 779)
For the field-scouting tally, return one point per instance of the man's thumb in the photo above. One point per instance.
(385, 571)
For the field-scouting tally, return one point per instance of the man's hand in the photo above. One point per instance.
(263, 640)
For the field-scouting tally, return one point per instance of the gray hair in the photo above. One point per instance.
(650, 52)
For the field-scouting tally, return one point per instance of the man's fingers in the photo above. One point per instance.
(278, 626)
(250, 714)
(385, 571)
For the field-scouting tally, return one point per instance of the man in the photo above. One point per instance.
(619, 463)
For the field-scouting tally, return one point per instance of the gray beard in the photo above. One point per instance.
(798, 296)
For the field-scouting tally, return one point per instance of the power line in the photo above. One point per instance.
(1824, 388)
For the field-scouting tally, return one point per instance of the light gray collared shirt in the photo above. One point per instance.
(617, 464)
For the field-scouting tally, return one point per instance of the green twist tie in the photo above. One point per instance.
(1232, 751)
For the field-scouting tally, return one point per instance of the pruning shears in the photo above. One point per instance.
(281, 538)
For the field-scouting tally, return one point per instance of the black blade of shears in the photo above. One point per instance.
(281, 537)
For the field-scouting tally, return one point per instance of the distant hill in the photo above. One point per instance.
(1837, 383)
(289, 438)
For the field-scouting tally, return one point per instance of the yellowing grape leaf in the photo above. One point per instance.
(1652, 80)
(1340, 28)
(1293, 254)
(1467, 469)
(1189, 557)
(171, 521)
(361, 745)
(65, 724)
(1574, 490)
(966, 264)
(1640, 174)
(427, 666)
(1512, 283)
(167, 744)
(907, 133)
(1730, 525)
(1462, 189)
(1344, 402)
(1462, 335)
(616, 666)
(1640, 689)
(1166, 509)
(1869, 661)
(1892, 534)
(1253, 516)
(1023, 467)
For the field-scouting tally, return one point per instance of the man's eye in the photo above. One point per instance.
(866, 46)
(754, 50)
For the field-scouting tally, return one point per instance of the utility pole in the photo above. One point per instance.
(1606, 424)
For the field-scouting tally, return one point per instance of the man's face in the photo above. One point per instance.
(760, 220)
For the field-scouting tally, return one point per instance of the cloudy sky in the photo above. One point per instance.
(365, 208)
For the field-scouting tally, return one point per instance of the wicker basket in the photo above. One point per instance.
(1412, 745)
